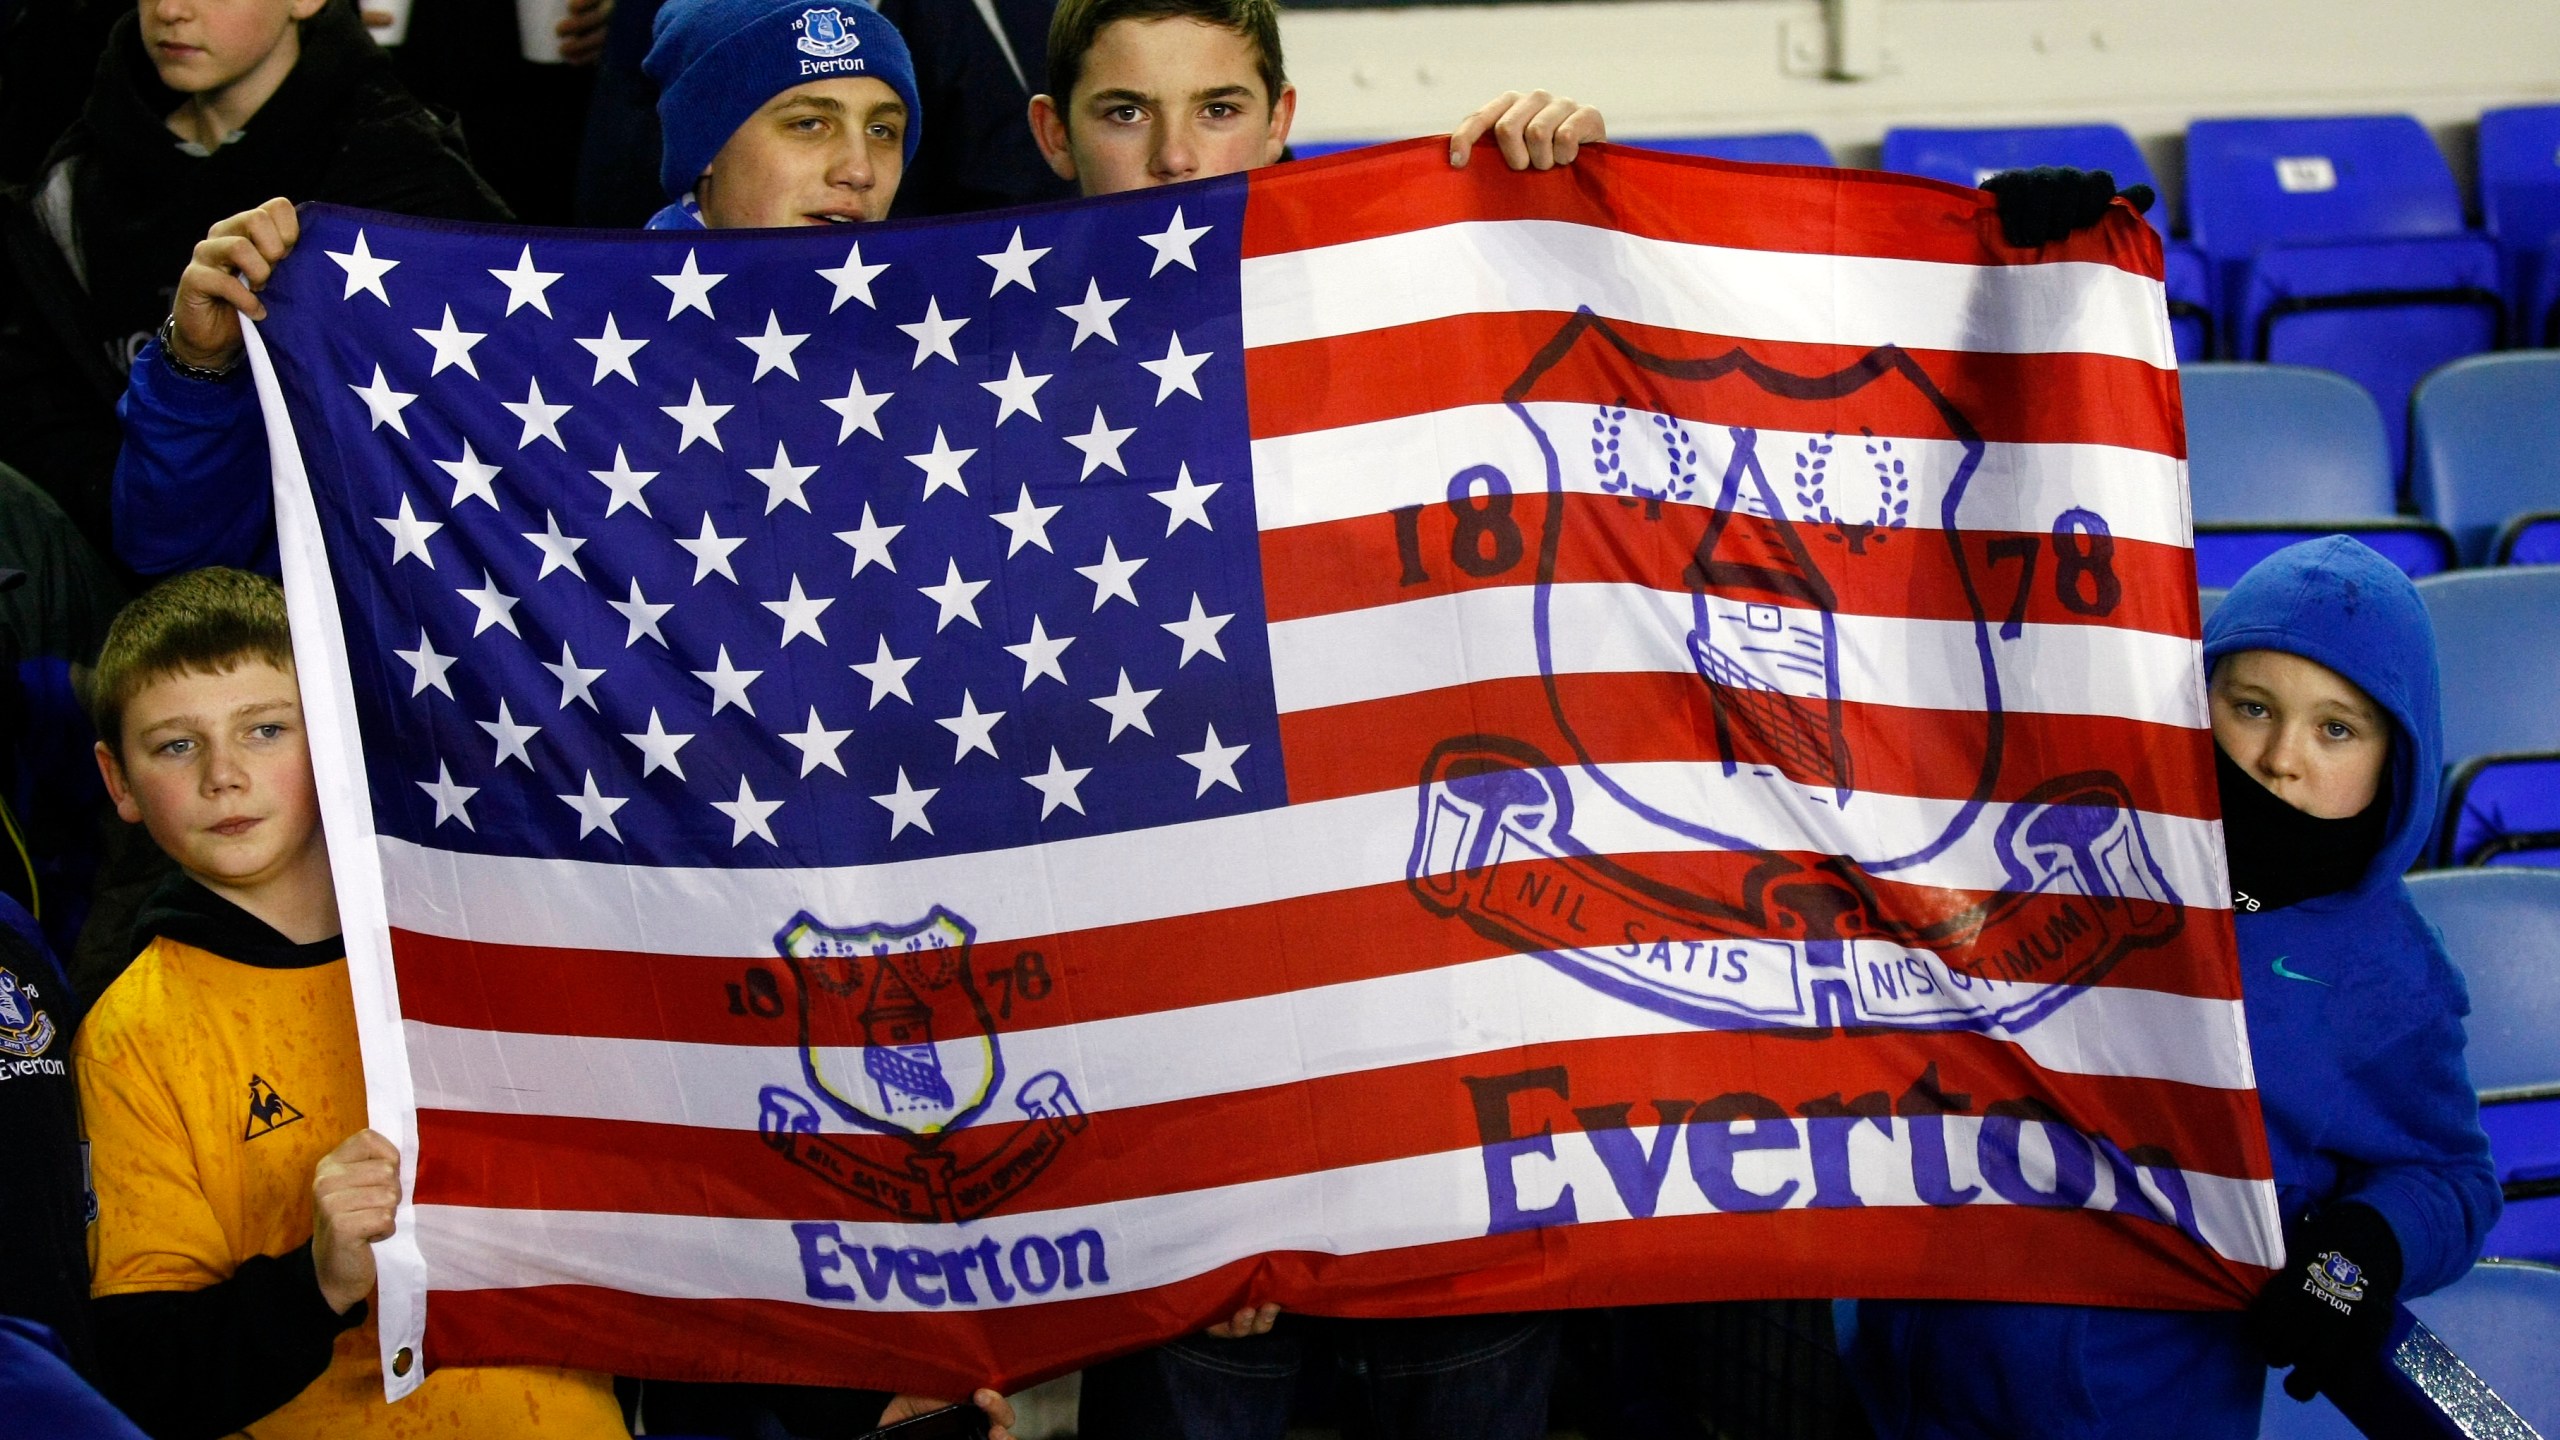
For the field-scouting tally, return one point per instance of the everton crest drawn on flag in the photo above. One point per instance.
(919, 806)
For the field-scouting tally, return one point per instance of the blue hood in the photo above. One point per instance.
(2336, 602)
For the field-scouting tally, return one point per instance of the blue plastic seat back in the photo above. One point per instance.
(2272, 443)
(2540, 322)
(1968, 157)
(2499, 1318)
(2502, 928)
(2520, 191)
(2190, 285)
(1785, 147)
(2498, 805)
(2209, 598)
(2530, 540)
(2224, 553)
(2500, 667)
(2529, 1229)
(2256, 183)
(2484, 445)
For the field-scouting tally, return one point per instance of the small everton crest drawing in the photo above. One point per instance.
(25, 1031)
(2340, 1279)
(823, 32)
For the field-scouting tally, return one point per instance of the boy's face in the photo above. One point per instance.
(2301, 729)
(206, 45)
(830, 152)
(218, 769)
(1162, 101)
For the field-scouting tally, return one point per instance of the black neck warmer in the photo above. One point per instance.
(2281, 856)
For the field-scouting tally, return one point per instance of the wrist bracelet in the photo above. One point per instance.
(167, 335)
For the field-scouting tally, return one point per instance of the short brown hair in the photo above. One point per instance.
(205, 621)
(1073, 29)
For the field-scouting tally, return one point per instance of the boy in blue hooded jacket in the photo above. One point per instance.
(2328, 744)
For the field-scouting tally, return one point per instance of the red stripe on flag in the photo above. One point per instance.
(2068, 578)
(1632, 718)
(1476, 359)
(1671, 197)
(2009, 1254)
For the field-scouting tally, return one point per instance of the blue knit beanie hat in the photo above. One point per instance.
(718, 61)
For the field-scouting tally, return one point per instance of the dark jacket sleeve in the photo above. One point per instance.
(204, 1363)
(404, 160)
(191, 482)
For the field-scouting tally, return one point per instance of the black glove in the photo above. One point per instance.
(2040, 206)
(2329, 1310)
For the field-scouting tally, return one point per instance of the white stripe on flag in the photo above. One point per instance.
(1496, 265)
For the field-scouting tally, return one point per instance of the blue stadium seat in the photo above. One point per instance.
(2499, 1319)
(2501, 671)
(2209, 598)
(1968, 157)
(2529, 540)
(2340, 242)
(1785, 147)
(2502, 810)
(2520, 206)
(2502, 928)
(2280, 453)
(2484, 445)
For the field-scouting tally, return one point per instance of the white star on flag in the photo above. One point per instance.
(1039, 654)
(595, 809)
(577, 682)
(817, 745)
(364, 271)
(1173, 243)
(1057, 785)
(1127, 708)
(957, 597)
(495, 606)
(625, 484)
(800, 612)
(658, 748)
(428, 667)
(711, 551)
(1187, 502)
(859, 409)
(941, 466)
(1176, 371)
(748, 815)
(689, 289)
(932, 334)
(1015, 390)
(728, 684)
(453, 347)
(973, 728)
(1110, 574)
(409, 534)
(613, 353)
(906, 806)
(1027, 523)
(1013, 264)
(541, 418)
(383, 403)
(1101, 445)
(559, 552)
(1198, 633)
(871, 543)
(773, 348)
(471, 477)
(784, 483)
(887, 674)
(852, 279)
(642, 616)
(1216, 764)
(449, 797)
(526, 284)
(699, 421)
(510, 736)
(1092, 315)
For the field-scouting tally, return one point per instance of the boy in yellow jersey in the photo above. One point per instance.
(239, 1191)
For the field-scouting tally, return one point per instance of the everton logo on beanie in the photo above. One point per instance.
(716, 62)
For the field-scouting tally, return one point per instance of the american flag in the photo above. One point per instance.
(919, 806)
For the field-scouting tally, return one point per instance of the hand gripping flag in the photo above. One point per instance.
(921, 805)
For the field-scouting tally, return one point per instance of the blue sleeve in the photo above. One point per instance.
(191, 484)
(2418, 1156)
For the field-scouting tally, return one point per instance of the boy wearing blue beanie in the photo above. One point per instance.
(2328, 742)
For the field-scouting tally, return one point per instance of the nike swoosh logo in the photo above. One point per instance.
(2295, 974)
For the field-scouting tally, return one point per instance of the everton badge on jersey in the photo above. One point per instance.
(25, 1031)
